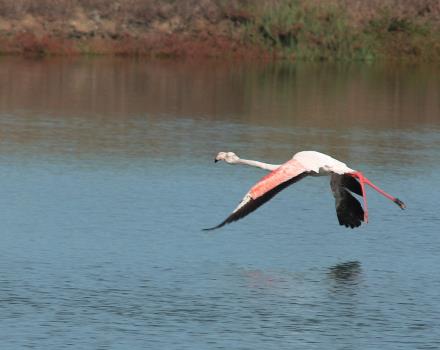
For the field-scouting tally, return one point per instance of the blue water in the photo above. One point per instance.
(101, 244)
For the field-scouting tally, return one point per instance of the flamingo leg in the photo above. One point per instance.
(383, 193)
(363, 179)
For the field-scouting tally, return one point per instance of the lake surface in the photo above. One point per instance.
(107, 178)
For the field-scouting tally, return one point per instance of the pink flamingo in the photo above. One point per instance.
(344, 180)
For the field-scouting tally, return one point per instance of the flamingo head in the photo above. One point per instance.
(228, 157)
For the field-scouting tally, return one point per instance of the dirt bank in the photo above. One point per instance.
(294, 29)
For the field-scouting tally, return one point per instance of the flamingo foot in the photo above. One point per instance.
(400, 203)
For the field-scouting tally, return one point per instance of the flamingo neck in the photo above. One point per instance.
(257, 164)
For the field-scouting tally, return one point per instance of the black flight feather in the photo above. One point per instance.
(348, 209)
(350, 183)
(253, 204)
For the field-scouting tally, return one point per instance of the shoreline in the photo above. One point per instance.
(314, 30)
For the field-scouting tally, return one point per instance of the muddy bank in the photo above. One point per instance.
(293, 29)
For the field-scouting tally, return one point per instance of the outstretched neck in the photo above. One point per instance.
(257, 164)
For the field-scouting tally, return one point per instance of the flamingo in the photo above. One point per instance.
(343, 182)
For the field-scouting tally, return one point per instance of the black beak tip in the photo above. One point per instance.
(215, 160)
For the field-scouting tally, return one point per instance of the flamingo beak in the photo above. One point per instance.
(215, 160)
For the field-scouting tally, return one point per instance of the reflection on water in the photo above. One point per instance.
(108, 179)
(119, 106)
(308, 95)
(348, 272)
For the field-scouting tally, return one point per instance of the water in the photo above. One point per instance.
(108, 178)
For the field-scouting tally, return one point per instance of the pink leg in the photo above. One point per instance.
(363, 179)
(383, 193)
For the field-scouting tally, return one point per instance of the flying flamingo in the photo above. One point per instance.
(343, 181)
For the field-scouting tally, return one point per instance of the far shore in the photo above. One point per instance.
(315, 30)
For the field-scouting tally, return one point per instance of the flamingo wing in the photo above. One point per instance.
(348, 209)
(265, 189)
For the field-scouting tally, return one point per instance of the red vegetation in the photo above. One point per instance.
(219, 28)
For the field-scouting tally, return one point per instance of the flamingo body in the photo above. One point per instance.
(344, 183)
(321, 163)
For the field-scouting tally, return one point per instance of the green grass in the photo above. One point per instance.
(293, 29)
(325, 31)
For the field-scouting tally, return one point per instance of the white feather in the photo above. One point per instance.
(321, 163)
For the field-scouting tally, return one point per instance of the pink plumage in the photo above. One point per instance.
(344, 183)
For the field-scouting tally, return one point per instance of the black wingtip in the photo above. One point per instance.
(400, 203)
(215, 227)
